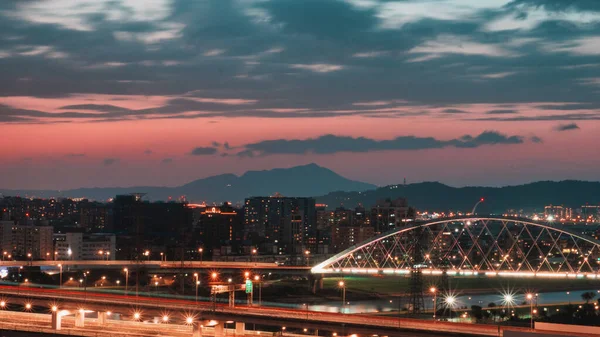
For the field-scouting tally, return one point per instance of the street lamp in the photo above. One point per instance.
(197, 284)
(30, 259)
(433, 290)
(60, 275)
(307, 254)
(530, 298)
(200, 250)
(450, 302)
(254, 251)
(342, 285)
(147, 253)
(126, 279)
(257, 279)
(508, 300)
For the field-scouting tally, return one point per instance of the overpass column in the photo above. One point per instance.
(56, 320)
(101, 317)
(220, 329)
(240, 328)
(197, 329)
(80, 318)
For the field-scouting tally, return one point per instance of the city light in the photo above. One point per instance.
(28, 306)
(54, 308)
(136, 315)
(2, 304)
(108, 313)
(450, 301)
(214, 276)
(165, 318)
(189, 320)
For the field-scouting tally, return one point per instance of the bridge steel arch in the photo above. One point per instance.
(478, 245)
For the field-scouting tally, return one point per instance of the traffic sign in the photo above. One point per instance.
(248, 287)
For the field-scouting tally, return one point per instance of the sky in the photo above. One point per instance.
(162, 92)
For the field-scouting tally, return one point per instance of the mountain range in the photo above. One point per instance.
(334, 190)
(437, 196)
(306, 180)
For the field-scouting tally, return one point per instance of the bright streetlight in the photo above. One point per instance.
(258, 279)
(433, 290)
(530, 298)
(126, 279)
(342, 285)
(200, 250)
(307, 254)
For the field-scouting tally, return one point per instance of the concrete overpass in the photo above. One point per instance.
(201, 314)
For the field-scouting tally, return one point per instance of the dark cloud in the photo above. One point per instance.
(562, 117)
(536, 139)
(167, 161)
(560, 5)
(454, 111)
(216, 144)
(502, 112)
(203, 151)
(148, 151)
(226, 146)
(110, 161)
(569, 106)
(329, 144)
(566, 127)
(75, 155)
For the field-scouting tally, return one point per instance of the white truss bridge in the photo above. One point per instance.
(473, 246)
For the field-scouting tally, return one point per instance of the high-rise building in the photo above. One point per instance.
(280, 225)
(26, 241)
(83, 246)
(388, 214)
(218, 226)
(96, 217)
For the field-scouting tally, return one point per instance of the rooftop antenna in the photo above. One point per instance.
(475, 207)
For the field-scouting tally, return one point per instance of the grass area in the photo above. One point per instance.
(386, 285)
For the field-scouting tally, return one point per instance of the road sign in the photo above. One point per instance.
(248, 287)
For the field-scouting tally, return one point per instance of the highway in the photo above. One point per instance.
(154, 307)
(158, 264)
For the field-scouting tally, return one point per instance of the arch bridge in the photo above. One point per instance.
(473, 246)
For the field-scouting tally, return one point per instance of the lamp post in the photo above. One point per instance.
(201, 251)
(307, 254)
(530, 298)
(60, 275)
(508, 301)
(126, 279)
(30, 259)
(342, 285)
(258, 279)
(254, 251)
(4, 255)
(433, 290)
(197, 284)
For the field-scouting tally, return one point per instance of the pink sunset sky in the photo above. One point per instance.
(374, 90)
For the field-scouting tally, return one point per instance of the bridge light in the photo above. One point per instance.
(54, 308)
(214, 276)
(28, 306)
(108, 313)
(189, 320)
(2, 304)
(136, 315)
(165, 318)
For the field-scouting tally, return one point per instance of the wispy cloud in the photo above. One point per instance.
(318, 68)
(203, 151)
(110, 161)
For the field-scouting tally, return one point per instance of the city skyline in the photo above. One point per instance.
(465, 92)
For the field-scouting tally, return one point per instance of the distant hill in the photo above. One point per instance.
(306, 180)
(437, 196)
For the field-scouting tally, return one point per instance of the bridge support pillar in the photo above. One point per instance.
(101, 317)
(231, 296)
(56, 320)
(240, 328)
(220, 329)
(80, 319)
(316, 332)
(197, 329)
(317, 283)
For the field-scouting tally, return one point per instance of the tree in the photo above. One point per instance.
(477, 312)
(588, 296)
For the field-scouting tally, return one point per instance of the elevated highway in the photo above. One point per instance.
(203, 313)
